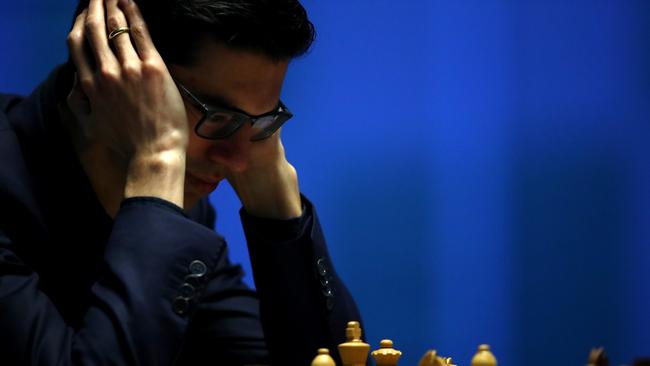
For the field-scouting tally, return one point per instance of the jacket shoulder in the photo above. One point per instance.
(7, 101)
(15, 192)
(9, 148)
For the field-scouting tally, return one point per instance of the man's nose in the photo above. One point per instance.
(233, 152)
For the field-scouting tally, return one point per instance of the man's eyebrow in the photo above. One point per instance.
(219, 101)
(216, 101)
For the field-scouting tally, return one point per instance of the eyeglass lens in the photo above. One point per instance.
(223, 124)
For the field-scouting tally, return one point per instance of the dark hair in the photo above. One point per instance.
(278, 29)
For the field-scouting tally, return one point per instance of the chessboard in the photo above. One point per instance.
(355, 352)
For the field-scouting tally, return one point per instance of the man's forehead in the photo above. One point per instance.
(236, 78)
(217, 57)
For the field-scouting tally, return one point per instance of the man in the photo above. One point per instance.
(107, 253)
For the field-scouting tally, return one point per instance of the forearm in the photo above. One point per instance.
(135, 315)
(302, 299)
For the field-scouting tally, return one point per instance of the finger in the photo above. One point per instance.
(95, 30)
(76, 43)
(139, 31)
(115, 19)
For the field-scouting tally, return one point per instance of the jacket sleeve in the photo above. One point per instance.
(304, 305)
(155, 264)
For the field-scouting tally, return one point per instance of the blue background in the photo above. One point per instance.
(481, 168)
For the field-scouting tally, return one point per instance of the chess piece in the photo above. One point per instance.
(354, 352)
(448, 362)
(386, 355)
(431, 358)
(484, 357)
(323, 358)
(598, 357)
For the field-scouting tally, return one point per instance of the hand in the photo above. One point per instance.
(134, 105)
(127, 101)
(268, 187)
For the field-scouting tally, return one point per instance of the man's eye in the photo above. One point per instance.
(264, 122)
(217, 122)
(220, 118)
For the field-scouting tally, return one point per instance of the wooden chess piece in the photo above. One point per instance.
(431, 358)
(484, 357)
(323, 358)
(448, 361)
(386, 355)
(598, 357)
(354, 352)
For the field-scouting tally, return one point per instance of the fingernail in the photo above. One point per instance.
(124, 2)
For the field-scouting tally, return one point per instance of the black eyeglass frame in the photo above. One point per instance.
(281, 115)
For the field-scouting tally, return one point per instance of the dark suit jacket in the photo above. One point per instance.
(154, 285)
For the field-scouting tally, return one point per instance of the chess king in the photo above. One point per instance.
(108, 253)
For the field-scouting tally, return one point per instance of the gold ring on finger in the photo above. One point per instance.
(117, 32)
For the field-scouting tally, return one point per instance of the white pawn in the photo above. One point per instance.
(323, 358)
(484, 357)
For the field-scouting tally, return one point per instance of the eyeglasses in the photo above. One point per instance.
(220, 122)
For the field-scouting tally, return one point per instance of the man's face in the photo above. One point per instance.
(244, 80)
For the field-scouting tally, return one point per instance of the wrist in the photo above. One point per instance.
(272, 193)
(158, 162)
(159, 175)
